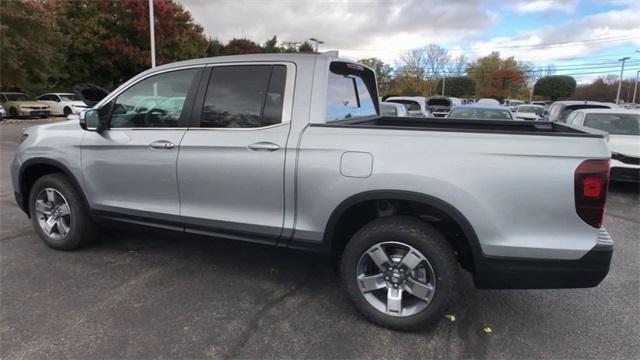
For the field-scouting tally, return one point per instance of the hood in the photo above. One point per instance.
(89, 93)
(625, 144)
(37, 104)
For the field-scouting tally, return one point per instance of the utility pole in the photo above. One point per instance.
(316, 41)
(620, 80)
(444, 78)
(635, 88)
(152, 34)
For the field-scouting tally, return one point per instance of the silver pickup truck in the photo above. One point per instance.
(290, 151)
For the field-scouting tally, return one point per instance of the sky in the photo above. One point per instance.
(582, 38)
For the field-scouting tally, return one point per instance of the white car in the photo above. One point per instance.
(3, 113)
(416, 105)
(623, 127)
(529, 112)
(488, 101)
(63, 103)
(393, 109)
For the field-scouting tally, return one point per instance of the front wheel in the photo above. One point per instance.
(400, 272)
(58, 213)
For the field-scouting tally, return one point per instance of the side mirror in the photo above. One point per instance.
(90, 120)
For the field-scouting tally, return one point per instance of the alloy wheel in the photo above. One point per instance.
(53, 213)
(396, 279)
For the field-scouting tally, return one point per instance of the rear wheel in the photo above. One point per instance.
(58, 213)
(400, 272)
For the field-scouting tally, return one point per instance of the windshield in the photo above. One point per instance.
(16, 97)
(615, 124)
(409, 104)
(531, 109)
(486, 114)
(69, 97)
(438, 102)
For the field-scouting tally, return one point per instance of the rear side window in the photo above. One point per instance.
(349, 92)
(244, 96)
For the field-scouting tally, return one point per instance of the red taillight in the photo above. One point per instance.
(591, 182)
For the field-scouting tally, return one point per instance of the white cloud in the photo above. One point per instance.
(544, 5)
(358, 29)
(616, 27)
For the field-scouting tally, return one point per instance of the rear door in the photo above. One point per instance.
(129, 169)
(231, 162)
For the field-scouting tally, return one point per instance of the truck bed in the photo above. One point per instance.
(467, 125)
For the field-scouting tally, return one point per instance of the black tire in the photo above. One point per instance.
(421, 236)
(66, 111)
(13, 112)
(82, 229)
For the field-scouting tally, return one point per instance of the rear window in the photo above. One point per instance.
(409, 104)
(569, 108)
(615, 124)
(388, 110)
(350, 92)
(484, 114)
(438, 102)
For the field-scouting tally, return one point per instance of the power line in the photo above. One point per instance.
(533, 46)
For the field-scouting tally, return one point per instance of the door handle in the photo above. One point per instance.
(263, 145)
(162, 145)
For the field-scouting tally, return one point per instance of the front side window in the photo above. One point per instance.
(156, 101)
(348, 96)
(244, 96)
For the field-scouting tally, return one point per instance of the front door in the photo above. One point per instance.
(231, 167)
(129, 169)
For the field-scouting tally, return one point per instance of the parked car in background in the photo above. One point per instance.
(623, 127)
(512, 103)
(529, 112)
(3, 113)
(393, 109)
(481, 112)
(387, 198)
(63, 103)
(416, 105)
(559, 110)
(488, 101)
(439, 106)
(631, 106)
(456, 101)
(18, 104)
(89, 93)
(544, 104)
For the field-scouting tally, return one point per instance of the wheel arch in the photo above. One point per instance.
(35, 168)
(449, 219)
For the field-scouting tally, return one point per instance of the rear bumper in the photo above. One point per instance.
(630, 173)
(508, 273)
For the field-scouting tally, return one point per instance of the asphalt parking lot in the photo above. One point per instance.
(135, 295)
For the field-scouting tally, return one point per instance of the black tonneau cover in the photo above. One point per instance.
(464, 125)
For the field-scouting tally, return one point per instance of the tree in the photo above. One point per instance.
(482, 71)
(29, 47)
(503, 84)
(458, 86)
(413, 65)
(241, 46)
(555, 86)
(383, 71)
(306, 47)
(271, 45)
(214, 47)
(457, 66)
